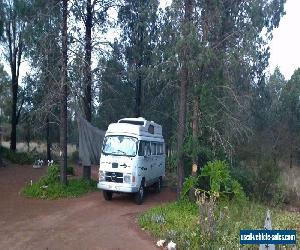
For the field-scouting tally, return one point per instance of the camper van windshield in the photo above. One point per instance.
(120, 145)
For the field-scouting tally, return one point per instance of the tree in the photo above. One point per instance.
(4, 95)
(184, 56)
(14, 25)
(222, 55)
(138, 20)
(92, 13)
(290, 115)
(42, 40)
(116, 91)
(64, 94)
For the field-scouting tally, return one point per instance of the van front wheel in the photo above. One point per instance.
(107, 195)
(139, 196)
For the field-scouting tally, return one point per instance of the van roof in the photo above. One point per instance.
(135, 127)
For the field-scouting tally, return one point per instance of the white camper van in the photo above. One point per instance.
(132, 158)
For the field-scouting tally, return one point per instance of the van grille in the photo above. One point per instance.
(114, 177)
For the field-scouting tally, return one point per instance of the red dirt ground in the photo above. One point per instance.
(88, 222)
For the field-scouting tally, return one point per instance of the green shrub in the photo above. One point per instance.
(74, 156)
(70, 170)
(49, 187)
(17, 157)
(219, 179)
(261, 180)
(179, 222)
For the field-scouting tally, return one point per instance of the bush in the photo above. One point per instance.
(17, 157)
(74, 157)
(49, 187)
(261, 180)
(179, 222)
(217, 179)
(70, 170)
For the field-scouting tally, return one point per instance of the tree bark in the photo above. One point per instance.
(87, 62)
(195, 133)
(138, 94)
(64, 97)
(88, 73)
(48, 139)
(14, 89)
(184, 82)
(15, 46)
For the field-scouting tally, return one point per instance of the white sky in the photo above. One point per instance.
(285, 46)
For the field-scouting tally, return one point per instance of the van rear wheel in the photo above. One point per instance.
(107, 195)
(139, 196)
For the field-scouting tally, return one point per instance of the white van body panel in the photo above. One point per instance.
(147, 166)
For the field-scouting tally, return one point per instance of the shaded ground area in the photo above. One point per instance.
(88, 222)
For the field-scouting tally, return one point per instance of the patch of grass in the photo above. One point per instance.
(179, 221)
(16, 157)
(49, 187)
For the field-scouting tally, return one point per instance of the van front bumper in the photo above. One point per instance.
(117, 187)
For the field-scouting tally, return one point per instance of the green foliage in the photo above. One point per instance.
(16, 157)
(189, 183)
(52, 176)
(74, 156)
(261, 180)
(49, 187)
(220, 181)
(181, 223)
(70, 170)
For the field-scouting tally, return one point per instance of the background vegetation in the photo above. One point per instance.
(197, 67)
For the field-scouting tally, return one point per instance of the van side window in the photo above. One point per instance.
(159, 149)
(144, 148)
(153, 148)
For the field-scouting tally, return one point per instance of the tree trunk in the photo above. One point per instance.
(15, 48)
(48, 139)
(87, 62)
(88, 74)
(184, 82)
(195, 133)
(14, 89)
(138, 94)
(64, 97)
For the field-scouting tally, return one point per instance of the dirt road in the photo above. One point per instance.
(88, 222)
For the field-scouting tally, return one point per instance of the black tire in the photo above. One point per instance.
(157, 185)
(107, 195)
(139, 196)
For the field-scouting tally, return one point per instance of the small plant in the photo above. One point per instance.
(49, 187)
(70, 170)
(220, 181)
(187, 225)
(17, 157)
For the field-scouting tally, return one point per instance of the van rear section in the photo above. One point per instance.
(132, 158)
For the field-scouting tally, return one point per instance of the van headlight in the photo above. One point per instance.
(128, 178)
(101, 175)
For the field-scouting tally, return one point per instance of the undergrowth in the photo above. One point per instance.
(49, 187)
(16, 157)
(179, 222)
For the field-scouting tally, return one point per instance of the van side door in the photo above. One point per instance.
(144, 163)
(154, 162)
